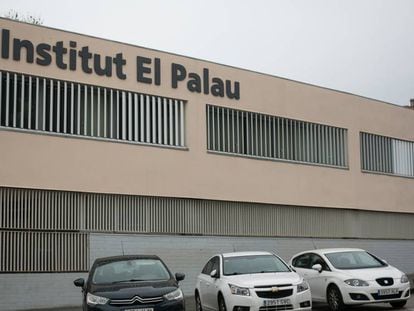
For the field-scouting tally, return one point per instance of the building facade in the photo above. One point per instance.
(109, 148)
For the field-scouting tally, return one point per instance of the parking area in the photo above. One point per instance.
(190, 306)
(320, 307)
(376, 307)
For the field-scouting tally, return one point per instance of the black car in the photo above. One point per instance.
(131, 283)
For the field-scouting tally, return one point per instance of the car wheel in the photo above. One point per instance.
(334, 299)
(221, 303)
(198, 302)
(398, 304)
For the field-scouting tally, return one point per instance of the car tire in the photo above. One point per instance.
(334, 299)
(198, 305)
(221, 303)
(398, 304)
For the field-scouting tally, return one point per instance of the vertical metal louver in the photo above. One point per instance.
(23, 251)
(62, 107)
(387, 155)
(263, 136)
(58, 211)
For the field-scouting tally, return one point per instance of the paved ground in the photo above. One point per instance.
(376, 307)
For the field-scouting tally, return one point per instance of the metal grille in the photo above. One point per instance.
(26, 209)
(387, 155)
(136, 300)
(275, 295)
(383, 297)
(23, 251)
(258, 135)
(385, 281)
(68, 108)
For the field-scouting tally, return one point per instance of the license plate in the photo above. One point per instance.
(141, 309)
(387, 291)
(276, 302)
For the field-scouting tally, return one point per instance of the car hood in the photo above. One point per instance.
(373, 273)
(264, 279)
(132, 289)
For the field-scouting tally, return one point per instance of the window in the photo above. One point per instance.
(216, 265)
(387, 155)
(302, 261)
(208, 267)
(317, 260)
(128, 270)
(354, 260)
(68, 108)
(253, 264)
(258, 135)
(212, 264)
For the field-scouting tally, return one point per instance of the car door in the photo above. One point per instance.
(303, 266)
(204, 284)
(212, 284)
(317, 280)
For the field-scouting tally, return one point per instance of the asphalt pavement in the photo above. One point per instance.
(190, 306)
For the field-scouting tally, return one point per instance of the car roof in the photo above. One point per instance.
(237, 254)
(331, 250)
(124, 257)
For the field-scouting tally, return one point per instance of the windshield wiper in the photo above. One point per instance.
(269, 271)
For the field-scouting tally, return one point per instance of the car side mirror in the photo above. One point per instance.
(317, 267)
(79, 282)
(214, 274)
(179, 276)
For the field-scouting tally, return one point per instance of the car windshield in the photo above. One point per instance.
(253, 264)
(354, 260)
(134, 270)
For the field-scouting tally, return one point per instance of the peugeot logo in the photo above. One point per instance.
(275, 289)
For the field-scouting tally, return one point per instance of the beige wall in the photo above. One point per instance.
(49, 162)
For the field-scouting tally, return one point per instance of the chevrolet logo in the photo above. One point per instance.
(275, 289)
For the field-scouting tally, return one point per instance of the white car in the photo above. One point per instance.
(351, 276)
(250, 281)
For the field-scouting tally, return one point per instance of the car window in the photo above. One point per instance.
(208, 267)
(130, 270)
(302, 261)
(216, 264)
(253, 264)
(316, 259)
(354, 260)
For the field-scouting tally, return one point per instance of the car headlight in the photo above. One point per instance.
(356, 282)
(302, 287)
(174, 295)
(236, 290)
(404, 279)
(95, 300)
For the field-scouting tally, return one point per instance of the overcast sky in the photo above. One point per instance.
(364, 47)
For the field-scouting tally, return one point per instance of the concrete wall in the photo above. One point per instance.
(48, 162)
(186, 254)
(39, 290)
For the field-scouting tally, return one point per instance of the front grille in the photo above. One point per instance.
(274, 295)
(394, 296)
(276, 308)
(135, 301)
(277, 285)
(385, 281)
